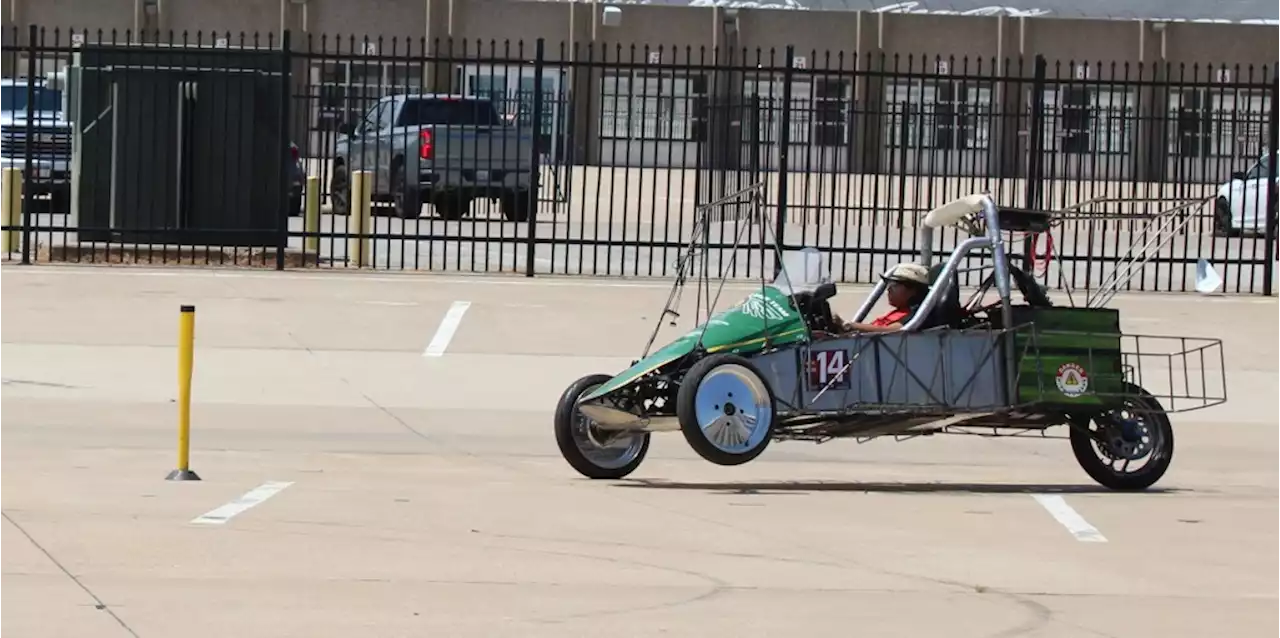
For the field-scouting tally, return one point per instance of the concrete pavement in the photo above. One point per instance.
(427, 496)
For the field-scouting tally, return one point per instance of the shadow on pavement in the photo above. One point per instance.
(903, 488)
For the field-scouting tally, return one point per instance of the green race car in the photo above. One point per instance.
(778, 365)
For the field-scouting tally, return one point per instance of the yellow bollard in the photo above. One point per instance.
(186, 347)
(358, 248)
(311, 245)
(11, 211)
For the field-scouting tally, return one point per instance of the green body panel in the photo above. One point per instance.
(764, 318)
(1057, 337)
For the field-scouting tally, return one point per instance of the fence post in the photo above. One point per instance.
(535, 165)
(1035, 153)
(282, 202)
(1273, 198)
(27, 206)
(784, 151)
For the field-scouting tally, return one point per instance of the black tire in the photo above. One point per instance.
(515, 205)
(570, 422)
(687, 410)
(1222, 218)
(340, 191)
(451, 206)
(60, 201)
(407, 197)
(1157, 422)
(295, 205)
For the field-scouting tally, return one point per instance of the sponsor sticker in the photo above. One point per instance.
(1072, 380)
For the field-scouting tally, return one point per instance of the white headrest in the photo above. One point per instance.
(953, 211)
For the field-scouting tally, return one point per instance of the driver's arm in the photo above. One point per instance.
(866, 327)
(853, 326)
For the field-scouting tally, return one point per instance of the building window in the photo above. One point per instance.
(938, 114)
(345, 90)
(819, 110)
(647, 106)
(1089, 120)
(1217, 123)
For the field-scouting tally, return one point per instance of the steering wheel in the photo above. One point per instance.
(815, 310)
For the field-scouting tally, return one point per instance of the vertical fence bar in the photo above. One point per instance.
(28, 146)
(530, 203)
(282, 199)
(784, 142)
(1035, 158)
(1269, 233)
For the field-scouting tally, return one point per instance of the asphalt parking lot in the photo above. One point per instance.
(355, 486)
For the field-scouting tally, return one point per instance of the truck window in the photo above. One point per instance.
(14, 98)
(1259, 170)
(426, 112)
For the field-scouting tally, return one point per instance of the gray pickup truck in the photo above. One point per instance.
(444, 150)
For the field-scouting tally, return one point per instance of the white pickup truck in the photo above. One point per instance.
(445, 150)
(1241, 206)
(49, 139)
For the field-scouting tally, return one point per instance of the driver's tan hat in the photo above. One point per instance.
(910, 273)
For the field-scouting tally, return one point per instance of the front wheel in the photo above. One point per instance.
(593, 452)
(1222, 225)
(726, 409)
(1138, 431)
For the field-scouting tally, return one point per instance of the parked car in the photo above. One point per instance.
(1242, 202)
(445, 150)
(49, 139)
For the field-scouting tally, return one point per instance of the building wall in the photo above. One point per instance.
(814, 32)
(1106, 51)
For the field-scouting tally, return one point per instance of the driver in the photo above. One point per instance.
(908, 283)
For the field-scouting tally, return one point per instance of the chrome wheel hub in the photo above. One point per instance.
(733, 409)
(604, 448)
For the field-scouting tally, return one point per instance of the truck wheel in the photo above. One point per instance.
(60, 201)
(408, 198)
(515, 205)
(340, 191)
(1222, 218)
(451, 206)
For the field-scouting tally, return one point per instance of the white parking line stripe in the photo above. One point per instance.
(251, 498)
(1070, 519)
(448, 326)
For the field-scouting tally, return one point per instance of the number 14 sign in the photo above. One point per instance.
(828, 366)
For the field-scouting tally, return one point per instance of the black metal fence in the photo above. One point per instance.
(590, 158)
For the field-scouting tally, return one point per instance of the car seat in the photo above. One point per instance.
(949, 311)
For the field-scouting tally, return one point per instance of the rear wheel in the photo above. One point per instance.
(340, 191)
(1137, 434)
(407, 197)
(515, 205)
(726, 409)
(593, 452)
(451, 206)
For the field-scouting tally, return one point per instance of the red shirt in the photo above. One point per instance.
(891, 317)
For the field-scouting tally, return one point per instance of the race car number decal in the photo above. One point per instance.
(828, 366)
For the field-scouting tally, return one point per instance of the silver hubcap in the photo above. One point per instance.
(733, 409)
(605, 449)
